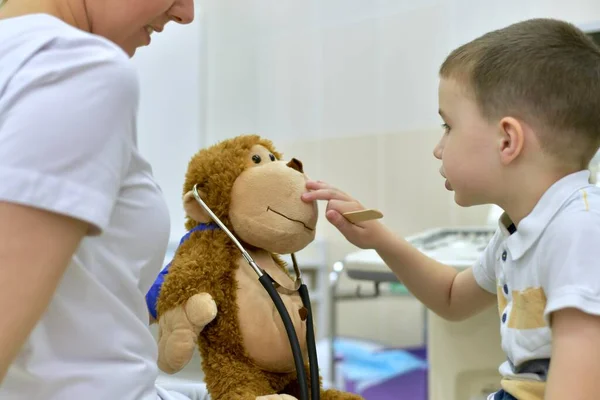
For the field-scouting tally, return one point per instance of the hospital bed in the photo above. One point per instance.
(463, 357)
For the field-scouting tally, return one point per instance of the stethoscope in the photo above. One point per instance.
(270, 286)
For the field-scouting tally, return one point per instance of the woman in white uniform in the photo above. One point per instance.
(83, 225)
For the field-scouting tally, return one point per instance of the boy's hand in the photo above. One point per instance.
(366, 235)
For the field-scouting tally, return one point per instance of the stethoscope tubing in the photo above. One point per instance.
(268, 284)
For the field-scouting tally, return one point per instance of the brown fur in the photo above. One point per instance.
(207, 262)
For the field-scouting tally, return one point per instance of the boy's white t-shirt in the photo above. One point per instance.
(68, 105)
(551, 261)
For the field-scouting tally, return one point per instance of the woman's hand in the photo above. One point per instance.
(366, 235)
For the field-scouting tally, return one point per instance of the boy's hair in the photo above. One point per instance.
(543, 71)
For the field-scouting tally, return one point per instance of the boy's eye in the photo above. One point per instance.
(446, 128)
(272, 157)
(256, 158)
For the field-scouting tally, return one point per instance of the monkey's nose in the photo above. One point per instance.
(295, 164)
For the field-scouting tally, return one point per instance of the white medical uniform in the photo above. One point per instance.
(68, 105)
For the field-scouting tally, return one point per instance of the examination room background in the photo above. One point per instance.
(347, 86)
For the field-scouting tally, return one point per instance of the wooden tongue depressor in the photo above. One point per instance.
(362, 215)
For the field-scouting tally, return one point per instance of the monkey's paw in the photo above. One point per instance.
(276, 397)
(178, 331)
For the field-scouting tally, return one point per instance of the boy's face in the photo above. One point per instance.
(468, 147)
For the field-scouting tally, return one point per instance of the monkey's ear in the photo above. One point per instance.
(193, 209)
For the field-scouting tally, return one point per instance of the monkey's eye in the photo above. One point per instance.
(256, 159)
(272, 157)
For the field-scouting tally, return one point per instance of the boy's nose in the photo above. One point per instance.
(437, 151)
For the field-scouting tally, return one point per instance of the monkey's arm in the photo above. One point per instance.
(183, 307)
(178, 330)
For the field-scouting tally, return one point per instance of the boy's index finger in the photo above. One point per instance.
(315, 185)
(324, 194)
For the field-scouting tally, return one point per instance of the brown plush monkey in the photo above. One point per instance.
(211, 298)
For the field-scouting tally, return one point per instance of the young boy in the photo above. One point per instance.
(521, 111)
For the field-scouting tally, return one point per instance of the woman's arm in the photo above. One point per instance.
(35, 249)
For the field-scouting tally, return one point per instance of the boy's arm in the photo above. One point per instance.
(448, 293)
(575, 365)
(451, 294)
(570, 278)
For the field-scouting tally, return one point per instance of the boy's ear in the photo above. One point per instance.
(512, 139)
(193, 209)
